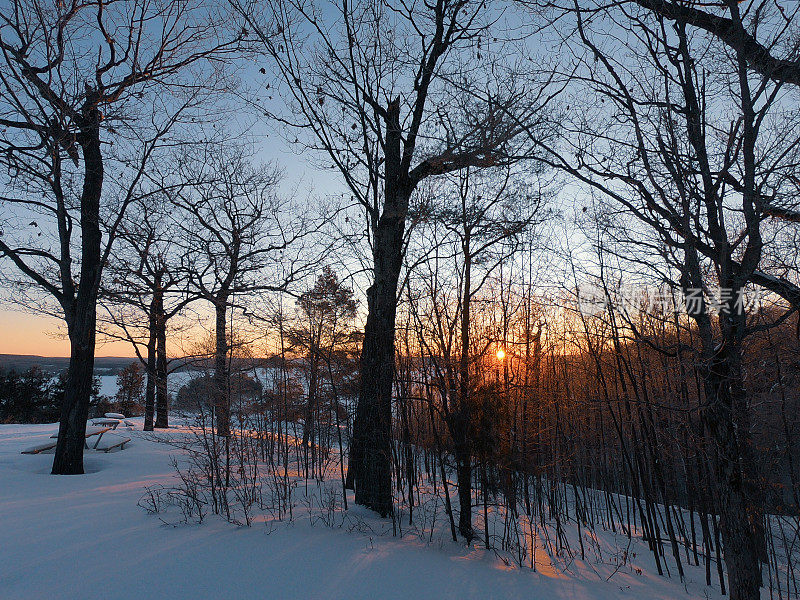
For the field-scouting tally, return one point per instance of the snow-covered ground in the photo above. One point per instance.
(84, 537)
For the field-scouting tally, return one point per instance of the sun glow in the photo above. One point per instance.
(501, 354)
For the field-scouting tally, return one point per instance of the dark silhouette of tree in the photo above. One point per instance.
(130, 388)
(738, 26)
(327, 311)
(78, 81)
(697, 161)
(479, 221)
(28, 397)
(148, 285)
(385, 93)
(240, 238)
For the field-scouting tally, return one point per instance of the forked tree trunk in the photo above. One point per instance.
(82, 316)
(369, 469)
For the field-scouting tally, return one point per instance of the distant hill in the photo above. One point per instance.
(111, 365)
(106, 365)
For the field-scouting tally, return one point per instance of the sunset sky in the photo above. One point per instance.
(25, 333)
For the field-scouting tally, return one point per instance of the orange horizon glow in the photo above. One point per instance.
(41, 335)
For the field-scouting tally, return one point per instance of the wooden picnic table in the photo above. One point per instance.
(99, 435)
(118, 442)
(90, 432)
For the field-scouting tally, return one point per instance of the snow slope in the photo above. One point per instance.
(85, 537)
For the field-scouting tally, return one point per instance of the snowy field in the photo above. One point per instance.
(85, 537)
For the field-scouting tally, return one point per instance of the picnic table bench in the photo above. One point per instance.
(90, 432)
(39, 448)
(114, 441)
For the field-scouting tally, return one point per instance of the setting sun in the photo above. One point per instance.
(501, 354)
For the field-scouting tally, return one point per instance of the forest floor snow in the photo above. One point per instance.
(86, 537)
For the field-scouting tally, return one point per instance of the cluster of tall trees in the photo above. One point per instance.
(31, 396)
(35, 396)
(459, 132)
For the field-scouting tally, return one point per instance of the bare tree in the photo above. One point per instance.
(393, 95)
(695, 150)
(241, 238)
(78, 80)
(486, 217)
(764, 33)
(147, 285)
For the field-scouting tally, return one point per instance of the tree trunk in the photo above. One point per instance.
(369, 469)
(221, 400)
(464, 475)
(308, 425)
(162, 397)
(741, 512)
(150, 386)
(370, 459)
(463, 413)
(82, 316)
(75, 405)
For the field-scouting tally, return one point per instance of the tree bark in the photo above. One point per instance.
(464, 476)
(369, 469)
(370, 459)
(162, 396)
(463, 412)
(150, 386)
(308, 425)
(221, 400)
(77, 391)
(741, 512)
(82, 316)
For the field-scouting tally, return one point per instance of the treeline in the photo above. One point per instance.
(35, 396)
(581, 404)
(577, 423)
(592, 419)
